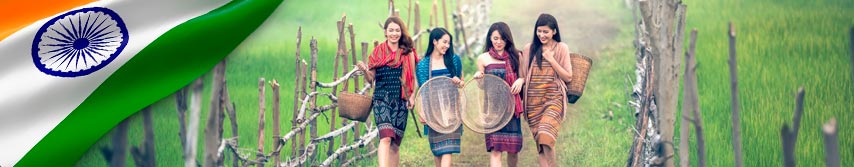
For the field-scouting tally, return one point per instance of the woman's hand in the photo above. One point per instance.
(549, 55)
(410, 102)
(517, 86)
(458, 81)
(478, 75)
(361, 65)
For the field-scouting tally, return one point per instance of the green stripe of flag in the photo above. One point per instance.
(172, 61)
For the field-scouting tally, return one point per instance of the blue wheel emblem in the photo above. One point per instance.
(79, 42)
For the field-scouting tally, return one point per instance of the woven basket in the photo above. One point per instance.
(580, 69)
(354, 106)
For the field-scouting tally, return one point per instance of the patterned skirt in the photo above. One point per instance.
(390, 111)
(545, 105)
(444, 143)
(509, 138)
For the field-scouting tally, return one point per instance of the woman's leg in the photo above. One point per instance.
(384, 151)
(395, 155)
(546, 156)
(512, 159)
(495, 159)
(446, 160)
(437, 160)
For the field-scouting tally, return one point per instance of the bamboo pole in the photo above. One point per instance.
(736, 120)
(275, 85)
(434, 16)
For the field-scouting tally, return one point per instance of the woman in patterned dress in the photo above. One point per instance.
(547, 69)
(391, 68)
(500, 58)
(440, 60)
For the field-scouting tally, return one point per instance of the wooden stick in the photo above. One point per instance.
(313, 87)
(365, 139)
(358, 129)
(790, 135)
(408, 14)
(213, 129)
(146, 157)
(434, 16)
(831, 144)
(736, 120)
(275, 85)
(684, 148)
(181, 106)
(117, 155)
(694, 102)
(232, 115)
(418, 23)
(261, 113)
(341, 52)
(193, 127)
(302, 114)
(463, 31)
(297, 86)
(445, 13)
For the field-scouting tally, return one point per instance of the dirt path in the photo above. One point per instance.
(583, 28)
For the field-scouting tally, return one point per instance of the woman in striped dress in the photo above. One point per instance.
(502, 59)
(547, 70)
(391, 67)
(440, 60)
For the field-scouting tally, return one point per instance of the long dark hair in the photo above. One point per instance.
(545, 19)
(448, 57)
(405, 42)
(509, 46)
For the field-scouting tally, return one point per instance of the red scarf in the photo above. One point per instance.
(384, 56)
(509, 76)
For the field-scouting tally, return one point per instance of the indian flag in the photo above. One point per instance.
(70, 70)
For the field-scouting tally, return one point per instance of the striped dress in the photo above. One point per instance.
(544, 104)
(509, 138)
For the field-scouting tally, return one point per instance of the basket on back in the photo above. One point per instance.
(354, 106)
(580, 69)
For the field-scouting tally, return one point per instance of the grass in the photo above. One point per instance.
(781, 46)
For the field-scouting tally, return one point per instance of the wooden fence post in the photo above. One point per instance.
(262, 106)
(193, 127)
(145, 156)
(831, 144)
(228, 107)
(213, 128)
(417, 26)
(687, 108)
(445, 13)
(692, 98)
(313, 87)
(790, 135)
(276, 127)
(356, 88)
(736, 120)
(116, 155)
(298, 94)
(181, 107)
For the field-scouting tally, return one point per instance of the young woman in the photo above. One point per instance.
(440, 60)
(547, 70)
(500, 58)
(391, 68)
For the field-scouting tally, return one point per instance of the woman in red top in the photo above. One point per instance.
(391, 68)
